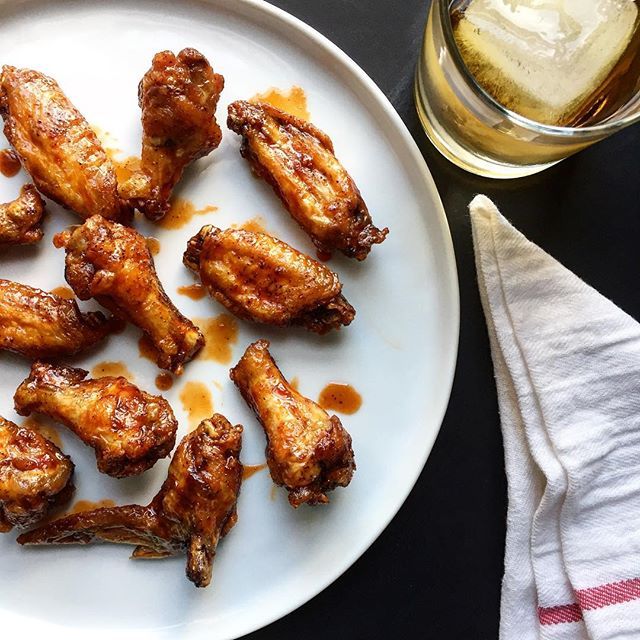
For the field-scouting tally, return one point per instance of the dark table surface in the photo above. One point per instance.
(436, 570)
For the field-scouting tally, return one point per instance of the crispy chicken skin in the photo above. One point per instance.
(195, 507)
(57, 146)
(34, 476)
(21, 219)
(178, 97)
(308, 451)
(261, 278)
(112, 263)
(298, 161)
(38, 324)
(129, 429)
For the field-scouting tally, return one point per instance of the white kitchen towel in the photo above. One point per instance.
(567, 365)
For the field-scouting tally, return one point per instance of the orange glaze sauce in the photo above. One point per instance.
(115, 369)
(293, 101)
(253, 224)
(181, 212)
(340, 397)
(250, 469)
(9, 163)
(45, 430)
(295, 383)
(194, 291)
(220, 334)
(87, 505)
(146, 349)
(164, 381)
(63, 292)
(154, 246)
(125, 169)
(197, 402)
(324, 256)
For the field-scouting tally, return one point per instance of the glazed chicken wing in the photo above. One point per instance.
(57, 146)
(113, 264)
(261, 278)
(178, 97)
(129, 429)
(195, 507)
(308, 451)
(34, 476)
(38, 324)
(21, 219)
(297, 160)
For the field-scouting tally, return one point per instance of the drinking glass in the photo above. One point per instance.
(473, 130)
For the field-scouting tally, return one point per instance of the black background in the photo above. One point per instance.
(436, 570)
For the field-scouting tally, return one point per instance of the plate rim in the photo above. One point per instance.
(450, 288)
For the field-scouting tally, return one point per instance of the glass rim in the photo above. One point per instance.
(528, 123)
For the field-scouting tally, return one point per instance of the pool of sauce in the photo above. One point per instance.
(63, 292)
(197, 402)
(115, 369)
(251, 469)
(9, 163)
(146, 349)
(256, 225)
(154, 246)
(45, 430)
(295, 383)
(293, 101)
(220, 334)
(181, 213)
(194, 291)
(88, 505)
(164, 381)
(340, 397)
(324, 256)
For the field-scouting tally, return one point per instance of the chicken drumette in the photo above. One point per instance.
(297, 159)
(57, 146)
(21, 219)
(195, 507)
(38, 324)
(261, 278)
(113, 264)
(178, 97)
(34, 476)
(129, 429)
(308, 451)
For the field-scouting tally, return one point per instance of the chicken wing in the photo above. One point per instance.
(38, 324)
(129, 429)
(21, 219)
(195, 507)
(261, 278)
(57, 146)
(178, 97)
(113, 264)
(308, 451)
(34, 476)
(297, 160)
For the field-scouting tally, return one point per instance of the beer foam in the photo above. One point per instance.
(543, 58)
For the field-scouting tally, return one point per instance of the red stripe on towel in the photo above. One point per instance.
(560, 614)
(593, 598)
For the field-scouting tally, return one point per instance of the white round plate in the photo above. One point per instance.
(399, 353)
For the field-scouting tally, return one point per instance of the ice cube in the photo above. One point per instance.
(543, 58)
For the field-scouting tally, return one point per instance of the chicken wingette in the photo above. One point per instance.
(193, 510)
(261, 278)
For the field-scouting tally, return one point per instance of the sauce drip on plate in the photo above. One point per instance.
(63, 292)
(108, 368)
(45, 430)
(340, 397)
(181, 213)
(197, 402)
(220, 334)
(9, 163)
(88, 505)
(164, 381)
(194, 291)
(293, 101)
(250, 469)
